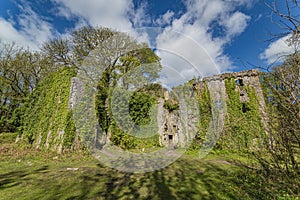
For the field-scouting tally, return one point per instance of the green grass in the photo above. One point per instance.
(7, 138)
(28, 173)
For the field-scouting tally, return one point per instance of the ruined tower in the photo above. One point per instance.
(171, 125)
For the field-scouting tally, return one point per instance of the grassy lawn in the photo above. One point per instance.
(27, 173)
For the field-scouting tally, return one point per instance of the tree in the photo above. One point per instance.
(111, 62)
(72, 51)
(20, 72)
(287, 18)
(86, 39)
(58, 51)
(282, 90)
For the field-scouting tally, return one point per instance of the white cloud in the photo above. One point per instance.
(190, 37)
(32, 32)
(139, 17)
(165, 19)
(187, 44)
(113, 14)
(197, 49)
(236, 23)
(277, 51)
(9, 34)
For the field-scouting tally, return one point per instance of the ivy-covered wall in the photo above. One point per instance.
(204, 103)
(243, 128)
(47, 122)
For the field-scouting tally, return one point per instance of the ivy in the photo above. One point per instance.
(139, 108)
(243, 123)
(122, 139)
(46, 110)
(70, 130)
(171, 105)
(101, 101)
(204, 105)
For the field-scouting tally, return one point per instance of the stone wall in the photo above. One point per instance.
(178, 127)
(172, 131)
(76, 91)
(246, 78)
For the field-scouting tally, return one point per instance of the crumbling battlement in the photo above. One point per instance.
(236, 75)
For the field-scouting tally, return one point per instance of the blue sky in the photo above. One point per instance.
(213, 36)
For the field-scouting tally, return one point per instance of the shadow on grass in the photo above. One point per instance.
(15, 178)
(185, 179)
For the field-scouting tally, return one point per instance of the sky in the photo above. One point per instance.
(192, 37)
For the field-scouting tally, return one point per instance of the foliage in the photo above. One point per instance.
(70, 130)
(243, 126)
(139, 108)
(86, 39)
(204, 102)
(102, 101)
(171, 105)
(58, 52)
(281, 87)
(121, 62)
(122, 139)
(153, 89)
(20, 72)
(46, 110)
(133, 120)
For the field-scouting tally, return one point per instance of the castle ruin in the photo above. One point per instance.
(171, 129)
(177, 128)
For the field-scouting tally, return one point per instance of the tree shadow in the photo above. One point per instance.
(187, 178)
(14, 178)
(184, 179)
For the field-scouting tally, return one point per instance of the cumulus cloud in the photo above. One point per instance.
(277, 51)
(236, 23)
(195, 53)
(188, 43)
(139, 17)
(9, 34)
(32, 31)
(189, 38)
(113, 13)
(165, 19)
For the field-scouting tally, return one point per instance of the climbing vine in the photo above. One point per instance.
(204, 105)
(139, 107)
(46, 111)
(70, 130)
(171, 105)
(243, 122)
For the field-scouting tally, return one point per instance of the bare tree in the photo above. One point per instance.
(282, 90)
(287, 18)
